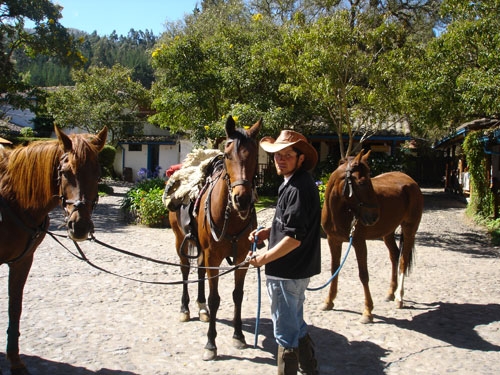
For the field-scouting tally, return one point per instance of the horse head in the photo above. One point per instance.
(78, 177)
(357, 189)
(240, 159)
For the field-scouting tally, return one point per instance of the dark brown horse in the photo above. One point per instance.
(34, 179)
(224, 217)
(377, 207)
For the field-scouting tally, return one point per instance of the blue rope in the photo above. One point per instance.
(338, 269)
(257, 320)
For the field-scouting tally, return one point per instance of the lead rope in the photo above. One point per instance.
(257, 319)
(351, 234)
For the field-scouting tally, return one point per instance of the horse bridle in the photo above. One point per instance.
(348, 191)
(77, 204)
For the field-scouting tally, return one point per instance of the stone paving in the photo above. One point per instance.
(78, 320)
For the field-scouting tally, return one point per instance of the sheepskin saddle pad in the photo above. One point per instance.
(185, 184)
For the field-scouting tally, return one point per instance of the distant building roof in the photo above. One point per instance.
(459, 135)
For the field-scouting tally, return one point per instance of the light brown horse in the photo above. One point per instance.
(377, 207)
(34, 179)
(224, 217)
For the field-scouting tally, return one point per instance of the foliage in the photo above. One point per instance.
(106, 160)
(104, 189)
(130, 51)
(265, 202)
(302, 65)
(456, 76)
(48, 37)
(322, 184)
(151, 210)
(27, 132)
(143, 203)
(101, 96)
(213, 67)
(481, 197)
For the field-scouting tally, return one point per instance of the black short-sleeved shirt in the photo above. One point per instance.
(298, 215)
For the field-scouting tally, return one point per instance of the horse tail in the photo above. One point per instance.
(411, 256)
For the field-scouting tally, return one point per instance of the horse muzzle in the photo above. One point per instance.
(242, 197)
(79, 223)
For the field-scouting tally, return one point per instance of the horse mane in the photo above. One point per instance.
(29, 173)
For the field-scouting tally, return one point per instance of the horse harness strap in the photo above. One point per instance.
(227, 212)
(348, 191)
(34, 233)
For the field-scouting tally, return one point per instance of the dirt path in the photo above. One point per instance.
(78, 320)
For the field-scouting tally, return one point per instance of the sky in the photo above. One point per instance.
(104, 16)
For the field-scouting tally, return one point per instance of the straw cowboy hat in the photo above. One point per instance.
(297, 141)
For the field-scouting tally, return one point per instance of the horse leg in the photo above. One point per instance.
(213, 306)
(203, 312)
(239, 281)
(361, 255)
(336, 252)
(405, 260)
(185, 314)
(390, 242)
(18, 274)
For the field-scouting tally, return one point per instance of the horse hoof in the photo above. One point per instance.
(204, 317)
(239, 343)
(399, 304)
(389, 298)
(366, 319)
(209, 355)
(184, 317)
(327, 306)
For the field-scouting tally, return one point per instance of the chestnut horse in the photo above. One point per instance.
(34, 179)
(376, 207)
(223, 218)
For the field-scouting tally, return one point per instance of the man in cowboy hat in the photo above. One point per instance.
(294, 253)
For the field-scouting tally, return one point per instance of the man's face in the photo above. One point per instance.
(287, 161)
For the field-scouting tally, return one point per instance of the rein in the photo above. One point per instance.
(81, 256)
(351, 235)
(227, 212)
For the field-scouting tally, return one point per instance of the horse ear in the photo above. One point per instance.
(254, 130)
(63, 139)
(101, 138)
(366, 156)
(230, 125)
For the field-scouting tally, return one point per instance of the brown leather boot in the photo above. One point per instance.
(307, 360)
(288, 361)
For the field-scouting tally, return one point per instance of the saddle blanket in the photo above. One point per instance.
(185, 184)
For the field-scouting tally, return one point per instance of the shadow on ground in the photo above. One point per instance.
(40, 366)
(453, 323)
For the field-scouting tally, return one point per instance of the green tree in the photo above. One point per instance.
(101, 97)
(456, 77)
(209, 67)
(299, 63)
(48, 37)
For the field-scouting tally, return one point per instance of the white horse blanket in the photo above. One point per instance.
(185, 184)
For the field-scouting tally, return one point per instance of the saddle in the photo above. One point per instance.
(188, 207)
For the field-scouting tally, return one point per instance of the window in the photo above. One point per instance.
(135, 147)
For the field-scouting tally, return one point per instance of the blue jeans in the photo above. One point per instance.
(287, 310)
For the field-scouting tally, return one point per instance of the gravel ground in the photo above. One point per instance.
(78, 320)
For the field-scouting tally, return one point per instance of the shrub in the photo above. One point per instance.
(106, 159)
(151, 211)
(143, 203)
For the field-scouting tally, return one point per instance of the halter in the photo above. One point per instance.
(220, 166)
(348, 191)
(64, 201)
